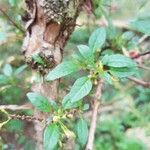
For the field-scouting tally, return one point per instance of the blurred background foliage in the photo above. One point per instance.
(124, 123)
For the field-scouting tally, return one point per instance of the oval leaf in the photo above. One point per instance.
(80, 89)
(122, 72)
(142, 25)
(4, 79)
(51, 137)
(67, 104)
(63, 69)
(39, 101)
(118, 60)
(7, 70)
(97, 39)
(82, 131)
(86, 53)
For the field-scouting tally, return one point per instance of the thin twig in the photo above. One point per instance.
(140, 82)
(144, 67)
(12, 22)
(96, 104)
(16, 107)
(141, 54)
(26, 118)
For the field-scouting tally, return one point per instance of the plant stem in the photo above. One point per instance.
(140, 82)
(96, 104)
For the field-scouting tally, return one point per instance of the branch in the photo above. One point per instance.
(140, 82)
(96, 104)
(144, 67)
(16, 107)
(26, 118)
(141, 54)
(12, 22)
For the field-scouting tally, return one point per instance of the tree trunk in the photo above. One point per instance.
(48, 24)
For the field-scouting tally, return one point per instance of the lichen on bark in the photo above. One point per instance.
(59, 10)
(49, 24)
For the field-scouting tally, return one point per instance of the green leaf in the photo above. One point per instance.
(142, 25)
(118, 60)
(85, 107)
(38, 59)
(122, 72)
(67, 104)
(107, 77)
(82, 131)
(51, 137)
(20, 69)
(7, 70)
(80, 89)
(3, 36)
(39, 101)
(97, 39)
(69, 134)
(4, 79)
(12, 2)
(86, 53)
(63, 69)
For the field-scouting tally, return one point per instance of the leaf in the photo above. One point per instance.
(118, 60)
(3, 36)
(7, 70)
(12, 2)
(122, 72)
(85, 107)
(4, 118)
(80, 89)
(67, 104)
(63, 69)
(39, 101)
(86, 53)
(141, 25)
(51, 137)
(38, 59)
(67, 132)
(4, 79)
(82, 131)
(20, 69)
(107, 77)
(97, 39)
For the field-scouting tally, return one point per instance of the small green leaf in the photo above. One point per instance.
(142, 25)
(12, 2)
(63, 69)
(82, 131)
(97, 39)
(67, 104)
(86, 53)
(122, 72)
(85, 107)
(118, 60)
(80, 89)
(39, 101)
(20, 69)
(4, 118)
(67, 132)
(107, 77)
(51, 137)
(38, 59)
(4, 79)
(7, 70)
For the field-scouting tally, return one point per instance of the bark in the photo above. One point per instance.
(48, 25)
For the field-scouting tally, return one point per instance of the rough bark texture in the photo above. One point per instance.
(48, 25)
